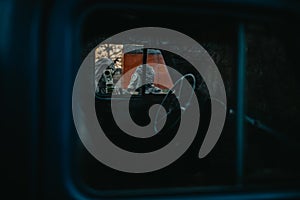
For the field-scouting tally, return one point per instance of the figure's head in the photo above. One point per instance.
(103, 63)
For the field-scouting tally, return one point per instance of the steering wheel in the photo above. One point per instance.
(179, 83)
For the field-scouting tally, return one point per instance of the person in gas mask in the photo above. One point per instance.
(136, 80)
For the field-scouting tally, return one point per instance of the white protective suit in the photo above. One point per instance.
(136, 79)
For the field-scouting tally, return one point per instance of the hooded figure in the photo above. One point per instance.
(136, 79)
(101, 65)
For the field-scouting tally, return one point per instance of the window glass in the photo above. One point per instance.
(273, 104)
(218, 168)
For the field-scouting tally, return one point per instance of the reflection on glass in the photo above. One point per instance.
(124, 63)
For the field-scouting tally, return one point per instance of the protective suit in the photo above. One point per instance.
(136, 80)
(101, 65)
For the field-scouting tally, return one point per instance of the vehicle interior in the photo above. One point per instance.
(255, 46)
